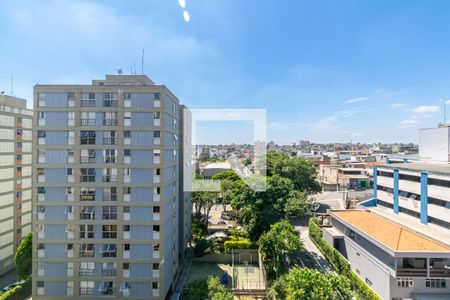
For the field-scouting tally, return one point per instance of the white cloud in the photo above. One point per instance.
(408, 123)
(397, 105)
(355, 100)
(447, 102)
(426, 109)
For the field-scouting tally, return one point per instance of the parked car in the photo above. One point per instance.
(222, 223)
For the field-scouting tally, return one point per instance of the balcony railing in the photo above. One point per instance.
(109, 141)
(109, 235)
(109, 178)
(87, 272)
(87, 253)
(110, 103)
(87, 103)
(411, 272)
(87, 160)
(87, 122)
(87, 197)
(109, 159)
(87, 141)
(86, 291)
(439, 272)
(110, 122)
(109, 197)
(87, 178)
(109, 216)
(109, 272)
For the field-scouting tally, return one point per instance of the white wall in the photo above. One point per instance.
(434, 144)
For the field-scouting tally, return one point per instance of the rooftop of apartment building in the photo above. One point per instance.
(390, 234)
(13, 101)
(433, 168)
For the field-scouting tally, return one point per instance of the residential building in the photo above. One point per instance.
(208, 170)
(394, 260)
(15, 176)
(107, 190)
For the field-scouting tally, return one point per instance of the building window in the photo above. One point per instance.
(109, 212)
(108, 250)
(87, 194)
(109, 137)
(110, 100)
(405, 283)
(87, 137)
(87, 156)
(86, 231)
(87, 250)
(87, 175)
(87, 213)
(436, 283)
(87, 287)
(87, 118)
(87, 100)
(109, 231)
(110, 194)
(110, 119)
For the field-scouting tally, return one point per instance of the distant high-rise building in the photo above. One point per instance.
(108, 195)
(15, 176)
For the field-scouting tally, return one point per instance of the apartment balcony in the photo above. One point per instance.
(109, 178)
(87, 103)
(70, 197)
(127, 159)
(109, 141)
(41, 141)
(155, 273)
(41, 216)
(87, 160)
(41, 234)
(127, 197)
(155, 293)
(110, 103)
(41, 253)
(109, 272)
(156, 254)
(440, 272)
(126, 216)
(127, 122)
(156, 159)
(87, 272)
(411, 272)
(87, 122)
(109, 159)
(69, 254)
(41, 178)
(69, 272)
(41, 272)
(70, 103)
(109, 197)
(156, 216)
(126, 254)
(126, 235)
(70, 122)
(86, 291)
(19, 124)
(156, 235)
(70, 178)
(156, 141)
(156, 122)
(127, 141)
(110, 122)
(87, 197)
(156, 179)
(87, 178)
(156, 197)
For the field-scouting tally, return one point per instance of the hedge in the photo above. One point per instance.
(17, 293)
(242, 244)
(340, 264)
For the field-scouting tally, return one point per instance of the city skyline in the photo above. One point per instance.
(326, 72)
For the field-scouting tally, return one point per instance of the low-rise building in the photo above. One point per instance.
(394, 260)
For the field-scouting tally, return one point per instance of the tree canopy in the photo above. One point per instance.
(309, 284)
(259, 209)
(301, 172)
(23, 257)
(209, 288)
(277, 243)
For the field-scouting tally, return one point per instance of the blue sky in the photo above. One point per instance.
(327, 71)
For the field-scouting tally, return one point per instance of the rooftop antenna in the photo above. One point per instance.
(12, 84)
(134, 68)
(445, 112)
(142, 62)
(119, 71)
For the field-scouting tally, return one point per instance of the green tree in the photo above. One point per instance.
(209, 288)
(278, 243)
(216, 290)
(303, 173)
(230, 185)
(23, 257)
(309, 284)
(204, 156)
(203, 201)
(259, 209)
(200, 247)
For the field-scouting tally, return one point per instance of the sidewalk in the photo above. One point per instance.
(314, 251)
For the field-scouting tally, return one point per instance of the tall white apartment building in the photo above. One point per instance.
(108, 198)
(15, 177)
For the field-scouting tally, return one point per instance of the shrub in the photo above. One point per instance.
(200, 246)
(340, 264)
(242, 244)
